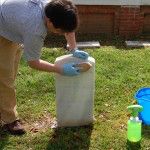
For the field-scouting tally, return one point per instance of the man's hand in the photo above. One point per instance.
(80, 54)
(70, 69)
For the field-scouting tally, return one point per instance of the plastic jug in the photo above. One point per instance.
(75, 95)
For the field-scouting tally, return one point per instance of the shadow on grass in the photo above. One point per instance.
(3, 139)
(75, 138)
(133, 146)
(55, 41)
(146, 131)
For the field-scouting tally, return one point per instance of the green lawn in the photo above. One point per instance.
(120, 72)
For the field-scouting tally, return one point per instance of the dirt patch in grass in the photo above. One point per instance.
(41, 125)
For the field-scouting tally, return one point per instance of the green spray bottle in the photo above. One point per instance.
(134, 124)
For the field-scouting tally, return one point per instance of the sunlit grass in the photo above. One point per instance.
(120, 73)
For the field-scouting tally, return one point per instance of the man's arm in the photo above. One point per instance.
(69, 69)
(45, 66)
(71, 40)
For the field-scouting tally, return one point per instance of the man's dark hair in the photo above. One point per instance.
(63, 14)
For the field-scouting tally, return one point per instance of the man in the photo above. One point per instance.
(27, 22)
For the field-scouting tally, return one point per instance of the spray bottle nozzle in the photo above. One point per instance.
(135, 109)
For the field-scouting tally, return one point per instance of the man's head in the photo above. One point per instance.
(61, 15)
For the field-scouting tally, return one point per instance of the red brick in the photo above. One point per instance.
(120, 20)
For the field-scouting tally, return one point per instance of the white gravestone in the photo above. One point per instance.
(75, 95)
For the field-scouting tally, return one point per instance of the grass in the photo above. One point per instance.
(120, 72)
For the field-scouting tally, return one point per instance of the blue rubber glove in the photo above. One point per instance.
(70, 69)
(80, 54)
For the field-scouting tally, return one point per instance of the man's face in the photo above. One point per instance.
(52, 29)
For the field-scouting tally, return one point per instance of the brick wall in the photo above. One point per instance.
(97, 19)
(131, 21)
(125, 21)
(146, 24)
